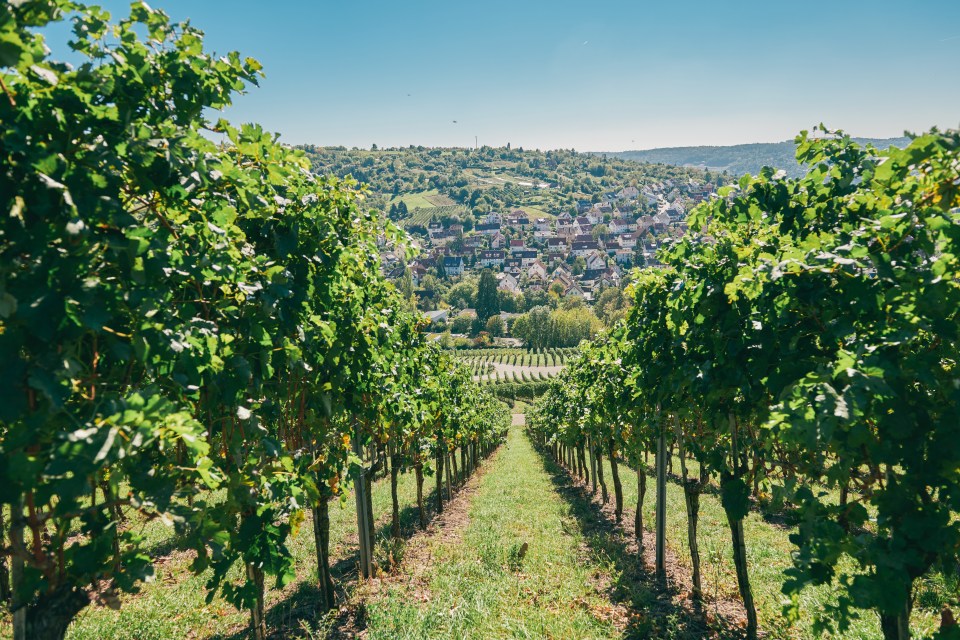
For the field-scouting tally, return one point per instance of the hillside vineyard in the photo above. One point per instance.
(254, 390)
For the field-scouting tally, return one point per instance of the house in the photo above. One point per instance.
(554, 257)
(493, 217)
(541, 224)
(623, 256)
(596, 262)
(473, 241)
(527, 257)
(439, 316)
(606, 239)
(515, 246)
(488, 228)
(444, 237)
(661, 221)
(566, 228)
(583, 249)
(453, 265)
(508, 283)
(590, 277)
(497, 241)
(519, 219)
(491, 258)
(542, 234)
(417, 271)
(537, 269)
(395, 273)
(434, 227)
(557, 244)
(623, 225)
(628, 193)
(563, 277)
(674, 213)
(629, 240)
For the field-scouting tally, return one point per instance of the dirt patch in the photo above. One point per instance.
(418, 558)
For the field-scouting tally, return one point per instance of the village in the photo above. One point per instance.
(575, 253)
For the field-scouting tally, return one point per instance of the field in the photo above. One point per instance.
(516, 365)
(421, 217)
(423, 200)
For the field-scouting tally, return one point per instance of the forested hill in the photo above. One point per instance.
(741, 158)
(487, 179)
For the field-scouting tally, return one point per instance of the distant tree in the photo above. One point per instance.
(406, 285)
(461, 324)
(441, 270)
(462, 295)
(508, 301)
(539, 328)
(638, 259)
(579, 266)
(495, 326)
(402, 211)
(536, 299)
(599, 230)
(488, 302)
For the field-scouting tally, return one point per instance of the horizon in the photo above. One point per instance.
(550, 76)
(591, 151)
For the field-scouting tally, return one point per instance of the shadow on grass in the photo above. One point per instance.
(657, 613)
(777, 513)
(298, 612)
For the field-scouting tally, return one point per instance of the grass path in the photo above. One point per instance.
(483, 583)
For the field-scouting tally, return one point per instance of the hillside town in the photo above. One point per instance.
(574, 253)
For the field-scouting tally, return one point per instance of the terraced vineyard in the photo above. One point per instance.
(516, 365)
(421, 217)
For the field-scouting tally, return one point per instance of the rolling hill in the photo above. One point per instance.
(741, 158)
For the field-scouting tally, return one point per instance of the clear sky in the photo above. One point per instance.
(597, 75)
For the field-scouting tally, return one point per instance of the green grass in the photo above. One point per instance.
(535, 211)
(173, 605)
(479, 588)
(422, 199)
(768, 555)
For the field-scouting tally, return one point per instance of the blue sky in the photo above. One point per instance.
(589, 75)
